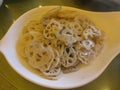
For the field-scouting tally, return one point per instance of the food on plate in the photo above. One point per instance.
(59, 42)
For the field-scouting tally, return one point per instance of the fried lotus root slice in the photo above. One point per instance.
(31, 36)
(67, 39)
(59, 46)
(53, 73)
(69, 57)
(67, 34)
(91, 32)
(34, 25)
(77, 28)
(83, 21)
(88, 44)
(77, 46)
(85, 55)
(71, 32)
(52, 29)
(46, 66)
(55, 63)
(63, 22)
(56, 60)
(50, 14)
(39, 56)
(73, 68)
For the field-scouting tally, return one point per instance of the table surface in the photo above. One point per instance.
(12, 9)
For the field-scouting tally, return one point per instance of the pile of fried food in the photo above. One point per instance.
(60, 42)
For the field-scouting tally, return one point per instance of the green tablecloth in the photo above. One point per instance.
(12, 9)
